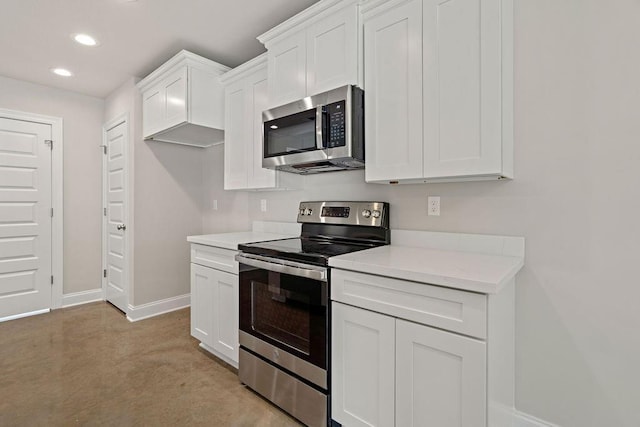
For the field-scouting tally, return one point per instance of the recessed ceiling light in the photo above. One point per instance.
(84, 39)
(62, 72)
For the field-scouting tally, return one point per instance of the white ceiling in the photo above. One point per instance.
(135, 36)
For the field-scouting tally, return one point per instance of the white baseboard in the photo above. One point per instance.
(84, 297)
(21, 315)
(520, 419)
(156, 308)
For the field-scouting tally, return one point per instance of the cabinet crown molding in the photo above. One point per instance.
(244, 69)
(182, 58)
(306, 17)
(374, 4)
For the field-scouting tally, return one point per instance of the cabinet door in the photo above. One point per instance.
(237, 137)
(393, 99)
(363, 370)
(287, 69)
(258, 100)
(175, 89)
(462, 88)
(152, 110)
(440, 378)
(202, 297)
(225, 314)
(332, 51)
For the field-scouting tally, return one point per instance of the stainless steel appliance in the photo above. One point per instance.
(319, 133)
(284, 304)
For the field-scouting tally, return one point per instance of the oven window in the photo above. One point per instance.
(283, 315)
(287, 311)
(292, 134)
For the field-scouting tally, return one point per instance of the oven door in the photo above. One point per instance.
(284, 314)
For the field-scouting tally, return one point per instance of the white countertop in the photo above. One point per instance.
(477, 272)
(232, 240)
(261, 231)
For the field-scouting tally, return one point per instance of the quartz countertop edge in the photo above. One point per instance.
(232, 240)
(467, 271)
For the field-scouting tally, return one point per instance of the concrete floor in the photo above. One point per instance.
(88, 366)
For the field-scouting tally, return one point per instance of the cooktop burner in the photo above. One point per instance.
(329, 229)
(313, 251)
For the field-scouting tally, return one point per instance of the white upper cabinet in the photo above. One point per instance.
(245, 99)
(439, 101)
(287, 69)
(315, 51)
(393, 104)
(332, 51)
(183, 101)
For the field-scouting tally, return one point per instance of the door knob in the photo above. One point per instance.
(121, 227)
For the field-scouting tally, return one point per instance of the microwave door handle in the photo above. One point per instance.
(320, 129)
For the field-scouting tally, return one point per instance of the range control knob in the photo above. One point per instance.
(366, 213)
(376, 214)
(301, 211)
(307, 211)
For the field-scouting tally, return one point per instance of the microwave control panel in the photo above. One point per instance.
(336, 118)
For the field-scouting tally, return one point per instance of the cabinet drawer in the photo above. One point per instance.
(450, 309)
(218, 258)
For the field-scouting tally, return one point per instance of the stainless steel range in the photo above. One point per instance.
(284, 304)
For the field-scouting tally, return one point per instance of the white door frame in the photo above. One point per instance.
(57, 197)
(123, 118)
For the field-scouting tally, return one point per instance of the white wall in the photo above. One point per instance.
(167, 206)
(82, 119)
(576, 199)
(232, 213)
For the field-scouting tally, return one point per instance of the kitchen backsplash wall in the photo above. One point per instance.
(232, 207)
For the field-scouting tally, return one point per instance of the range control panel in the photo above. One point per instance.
(372, 214)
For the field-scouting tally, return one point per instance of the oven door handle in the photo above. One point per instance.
(280, 266)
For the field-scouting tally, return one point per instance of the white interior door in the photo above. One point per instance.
(25, 217)
(115, 197)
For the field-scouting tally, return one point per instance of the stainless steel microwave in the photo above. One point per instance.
(319, 133)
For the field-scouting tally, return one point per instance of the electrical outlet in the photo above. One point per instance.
(433, 205)
(263, 205)
(215, 205)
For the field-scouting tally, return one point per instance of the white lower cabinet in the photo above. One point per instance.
(388, 371)
(407, 353)
(214, 310)
(440, 378)
(362, 366)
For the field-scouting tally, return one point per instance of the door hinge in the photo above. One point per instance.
(104, 273)
(51, 212)
(105, 211)
(52, 280)
(49, 142)
(104, 148)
